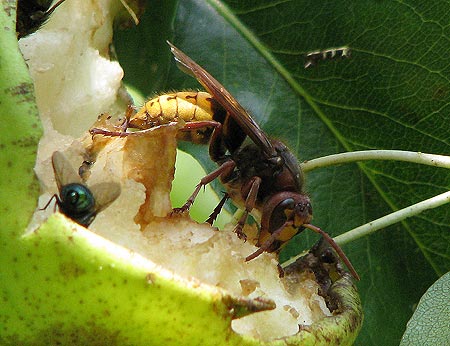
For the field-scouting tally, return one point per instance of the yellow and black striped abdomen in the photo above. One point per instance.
(188, 106)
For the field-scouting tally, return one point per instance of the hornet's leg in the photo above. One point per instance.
(217, 209)
(217, 153)
(122, 128)
(250, 202)
(126, 122)
(266, 245)
(225, 169)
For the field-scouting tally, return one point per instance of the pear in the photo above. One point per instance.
(136, 275)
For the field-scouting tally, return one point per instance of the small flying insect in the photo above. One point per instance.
(32, 14)
(75, 199)
(260, 174)
(333, 53)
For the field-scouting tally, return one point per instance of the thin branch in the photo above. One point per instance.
(393, 218)
(383, 222)
(365, 155)
(397, 216)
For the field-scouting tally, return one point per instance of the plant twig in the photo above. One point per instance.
(365, 155)
(384, 221)
(392, 218)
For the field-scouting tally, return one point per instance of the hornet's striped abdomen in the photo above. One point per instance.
(187, 106)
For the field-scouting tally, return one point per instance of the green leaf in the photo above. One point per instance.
(142, 49)
(393, 93)
(431, 320)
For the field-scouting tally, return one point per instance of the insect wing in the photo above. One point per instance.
(225, 99)
(64, 171)
(104, 194)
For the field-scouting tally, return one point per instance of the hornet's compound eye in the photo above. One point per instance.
(296, 208)
(288, 203)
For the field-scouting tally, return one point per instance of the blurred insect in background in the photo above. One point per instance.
(32, 14)
(76, 200)
(333, 53)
